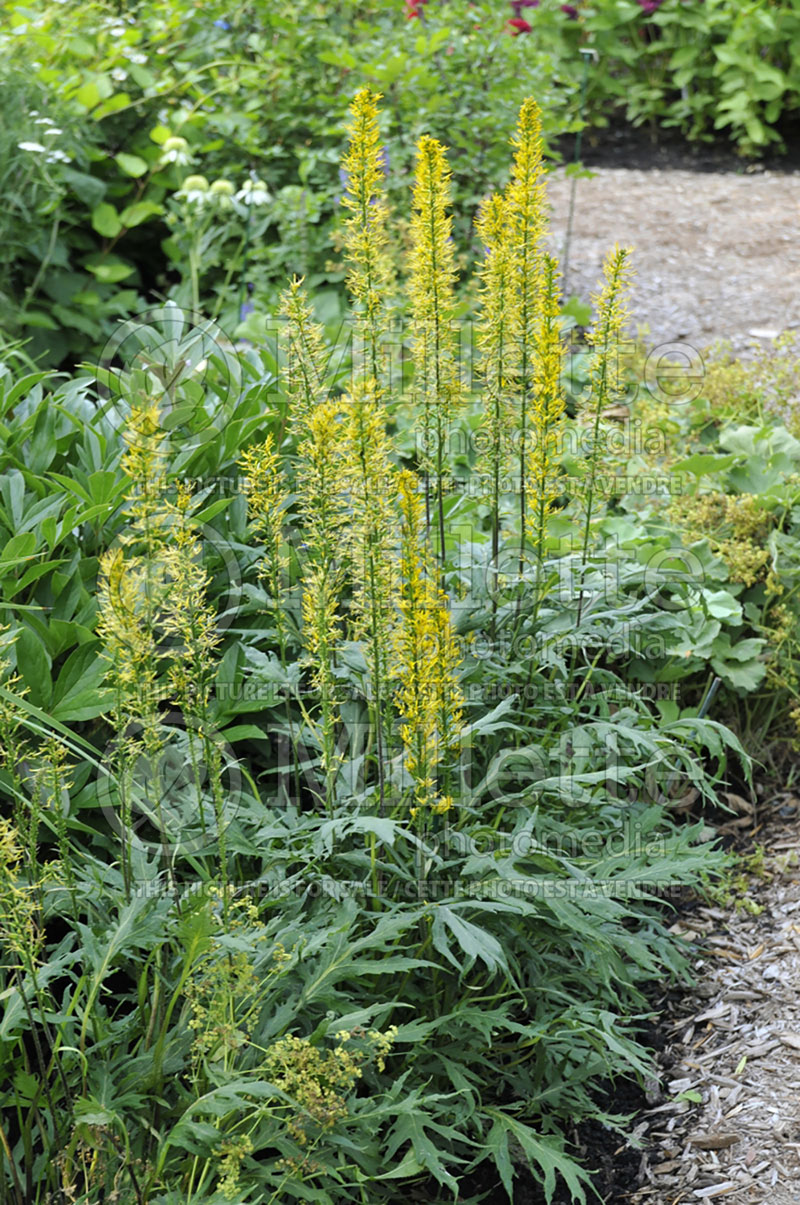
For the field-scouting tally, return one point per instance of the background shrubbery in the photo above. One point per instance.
(93, 212)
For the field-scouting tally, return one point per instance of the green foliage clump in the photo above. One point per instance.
(341, 845)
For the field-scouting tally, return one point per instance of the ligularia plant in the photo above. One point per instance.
(310, 892)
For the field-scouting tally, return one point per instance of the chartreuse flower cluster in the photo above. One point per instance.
(307, 356)
(736, 527)
(223, 989)
(13, 746)
(319, 1081)
(321, 484)
(20, 930)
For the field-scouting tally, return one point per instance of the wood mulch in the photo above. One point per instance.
(724, 1122)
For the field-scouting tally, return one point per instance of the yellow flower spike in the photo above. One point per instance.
(547, 408)
(266, 499)
(370, 277)
(19, 910)
(605, 373)
(368, 540)
(526, 200)
(432, 295)
(495, 340)
(154, 613)
(307, 355)
(426, 659)
(323, 483)
(322, 480)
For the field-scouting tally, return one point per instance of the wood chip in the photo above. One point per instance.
(715, 1142)
(790, 1039)
(715, 1190)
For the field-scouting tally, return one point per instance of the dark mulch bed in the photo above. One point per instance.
(649, 147)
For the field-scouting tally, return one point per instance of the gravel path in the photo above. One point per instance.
(716, 254)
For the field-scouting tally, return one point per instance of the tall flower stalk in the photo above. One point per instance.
(369, 542)
(431, 289)
(191, 622)
(267, 499)
(13, 746)
(306, 355)
(426, 660)
(525, 199)
(130, 593)
(495, 334)
(370, 276)
(547, 409)
(606, 378)
(322, 483)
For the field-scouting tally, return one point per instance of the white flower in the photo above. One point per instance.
(32, 146)
(52, 131)
(195, 190)
(254, 192)
(133, 56)
(58, 157)
(119, 74)
(222, 192)
(43, 121)
(176, 150)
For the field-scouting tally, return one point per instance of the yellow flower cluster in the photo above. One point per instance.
(520, 338)
(369, 547)
(321, 481)
(606, 379)
(498, 295)
(188, 618)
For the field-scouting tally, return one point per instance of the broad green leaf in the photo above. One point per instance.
(132, 165)
(105, 220)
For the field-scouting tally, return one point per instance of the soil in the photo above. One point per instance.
(716, 246)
